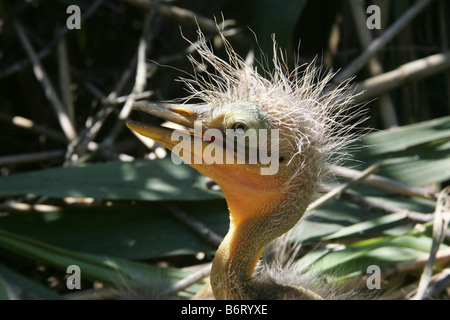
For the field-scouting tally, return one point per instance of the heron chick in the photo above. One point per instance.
(300, 123)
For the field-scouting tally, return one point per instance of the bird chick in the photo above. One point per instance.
(297, 121)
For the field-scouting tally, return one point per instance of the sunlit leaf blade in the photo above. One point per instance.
(419, 172)
(375, 251)
(139, 180)
(417, 154)
(399, 139)
(338, 215)
(58, 257)
(365, 222)
(359, 228)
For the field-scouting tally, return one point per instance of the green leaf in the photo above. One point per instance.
(140, 180)
(359, 228)
(109, 270)
(5, 290)
(418, 171)
(402, 138)
(380, 251)
(338, 215)
(140, 230)
(417, 154)
(19, 287)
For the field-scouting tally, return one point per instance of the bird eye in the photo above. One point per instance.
(240, 127)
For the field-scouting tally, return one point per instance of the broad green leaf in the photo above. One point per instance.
(5, 290)
(339, 215)
(109, 270)
(95, 269)
(366, 222)
(140, 180)
(379, 251)
(20, 287)
(359, 228)
(417, 154)
(398, 139)
(140, 230)
(309, 259)
(419, 172)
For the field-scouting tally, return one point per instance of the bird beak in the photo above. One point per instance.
(181, 114)
(184, 115)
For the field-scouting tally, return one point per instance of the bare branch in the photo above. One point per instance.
(64, 78)
(381, 207)
(31, 157)
(381, 41)
(47, 50)
(441, 221)
(41, 76)
(188, 281)
(181, 15)
(140, 80)
(28, 124)
(386, 184)
(365, 38)
(410, 71)
(441, 256)
(197, 226)
(336, 192)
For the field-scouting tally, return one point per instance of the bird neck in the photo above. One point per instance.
(235, 261)
(255, 220)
